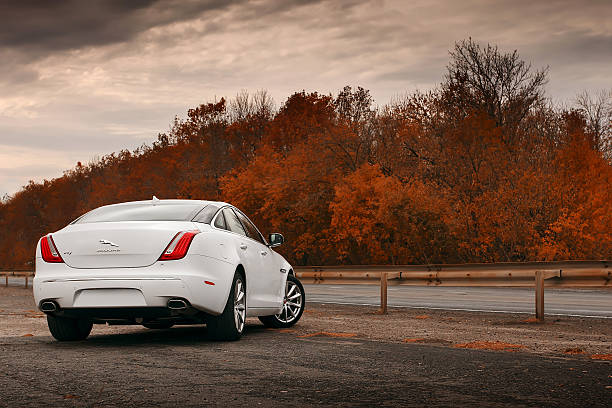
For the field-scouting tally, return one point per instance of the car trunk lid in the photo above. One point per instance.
(128, 244)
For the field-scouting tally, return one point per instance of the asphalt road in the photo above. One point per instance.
(177, 367)
(566, 302)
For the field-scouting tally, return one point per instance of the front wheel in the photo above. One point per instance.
(293, 306)
(229, 325)
(67, 329)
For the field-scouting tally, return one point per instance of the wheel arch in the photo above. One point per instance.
(240, 269)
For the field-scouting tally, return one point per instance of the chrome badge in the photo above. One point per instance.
(107, 242)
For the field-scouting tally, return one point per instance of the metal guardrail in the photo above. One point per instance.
(26, 274)
(560, 274)
(556, 274)
(533, 274)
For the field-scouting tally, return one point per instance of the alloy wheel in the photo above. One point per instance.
(239, 305)
(292, 303)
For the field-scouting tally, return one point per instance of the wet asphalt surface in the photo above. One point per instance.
(178, 367)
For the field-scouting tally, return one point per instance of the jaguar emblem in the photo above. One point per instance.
(107, 242)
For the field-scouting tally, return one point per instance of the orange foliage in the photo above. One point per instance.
(582, 188)
(378, 219)
(416, 182)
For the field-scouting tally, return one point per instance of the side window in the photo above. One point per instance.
(220, 221)
(206, 214)
(250, 228)
(233, 223)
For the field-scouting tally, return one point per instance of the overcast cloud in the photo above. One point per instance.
(80, 79)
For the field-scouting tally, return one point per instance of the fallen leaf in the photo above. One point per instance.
(607, 357)
(415, 340)
(490, 345)
(574, 350)
(329, 334)
(70, 396)
(421, 317)
(28, 335)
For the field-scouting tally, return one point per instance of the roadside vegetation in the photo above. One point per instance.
(481, 169)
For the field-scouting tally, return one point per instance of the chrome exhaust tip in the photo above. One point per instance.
(177, 304)
(48, 306)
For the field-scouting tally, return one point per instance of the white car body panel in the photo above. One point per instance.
(130, 243)
(115, 265)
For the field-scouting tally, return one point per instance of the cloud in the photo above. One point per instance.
(82, 79)
(46, 26)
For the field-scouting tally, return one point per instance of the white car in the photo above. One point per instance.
(163, 262)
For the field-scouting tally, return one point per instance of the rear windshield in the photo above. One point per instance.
(141, 212)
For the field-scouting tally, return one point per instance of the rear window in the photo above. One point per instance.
(141, 212)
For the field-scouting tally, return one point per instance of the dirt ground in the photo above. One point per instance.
(582, 338)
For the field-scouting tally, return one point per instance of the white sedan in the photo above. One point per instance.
(164, 262)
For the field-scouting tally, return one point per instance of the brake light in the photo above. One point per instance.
(178, 247)
(49, 250)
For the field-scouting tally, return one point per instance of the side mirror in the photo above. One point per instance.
(275, 240)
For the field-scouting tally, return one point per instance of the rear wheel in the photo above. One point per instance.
(229, 325)
(67, 329)
(293, 306)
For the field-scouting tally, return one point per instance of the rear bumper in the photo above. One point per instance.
(147, 287)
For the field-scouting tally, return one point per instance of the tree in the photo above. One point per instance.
(480, 169)
(376, 219)
(500, 84)
(597, 109)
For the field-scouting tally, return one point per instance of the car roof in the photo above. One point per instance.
(172, 202)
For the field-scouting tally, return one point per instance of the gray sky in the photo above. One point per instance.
(80, 79)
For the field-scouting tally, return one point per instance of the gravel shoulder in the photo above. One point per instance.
(568, 337)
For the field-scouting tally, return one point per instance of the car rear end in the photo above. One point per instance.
(132, 263)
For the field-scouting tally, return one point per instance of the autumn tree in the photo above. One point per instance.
(481, 168)
(289, 184)
(597, 110)
(505, 87)
(377, 219)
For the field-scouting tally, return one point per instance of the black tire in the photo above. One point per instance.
(226, 327)
(66, 329)
(283, 320)
(158, 325)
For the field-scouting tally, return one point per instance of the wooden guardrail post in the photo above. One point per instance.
(26, 281)
(6, 280)
(539, 295)
(384, 276)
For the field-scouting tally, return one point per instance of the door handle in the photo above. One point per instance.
(243, 246)
(264, 253)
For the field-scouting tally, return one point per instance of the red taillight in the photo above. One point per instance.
(177, 248)
(49, 250)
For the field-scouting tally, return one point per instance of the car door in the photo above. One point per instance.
(250, 257)
(271, 281)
